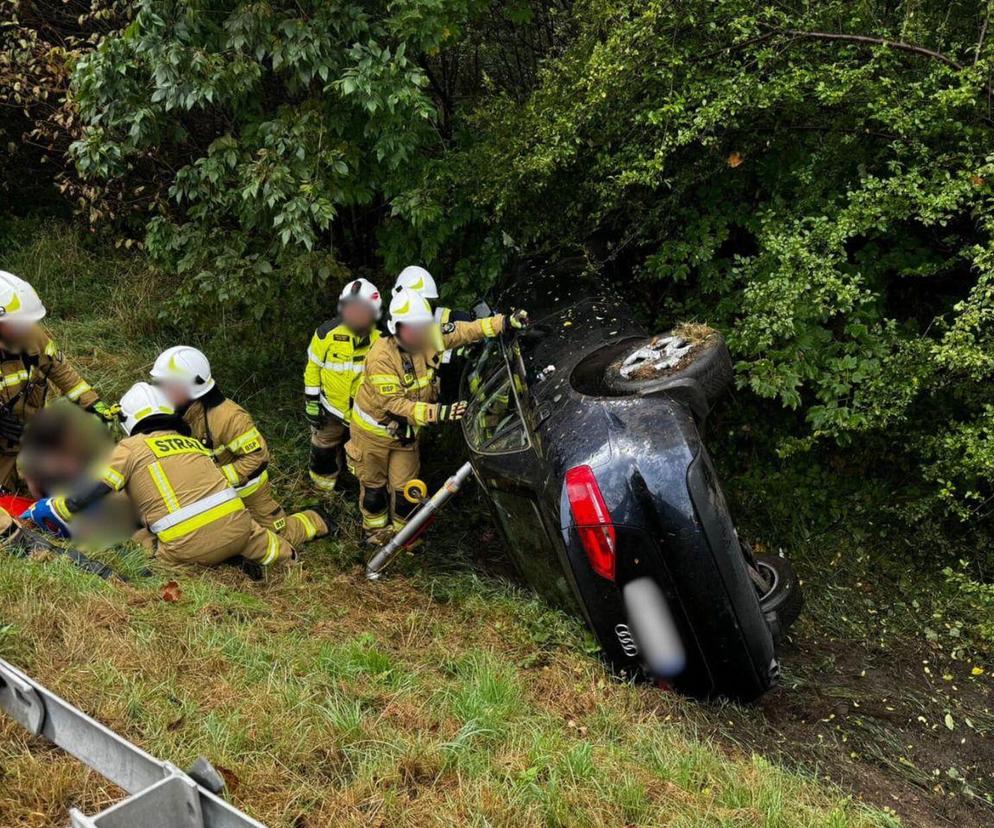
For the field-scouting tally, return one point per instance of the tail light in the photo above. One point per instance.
(592, 519)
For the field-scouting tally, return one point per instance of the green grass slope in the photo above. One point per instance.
(439, 697)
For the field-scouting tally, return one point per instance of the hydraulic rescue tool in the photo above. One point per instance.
(418, 521)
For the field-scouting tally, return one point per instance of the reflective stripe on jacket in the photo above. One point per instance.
(401, 387)
(335, 361)
(174, 487)
(28, 368)
(228, 431)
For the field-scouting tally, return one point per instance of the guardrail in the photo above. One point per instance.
(160, 794)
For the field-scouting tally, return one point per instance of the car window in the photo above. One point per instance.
(493, 421)
(488, 364)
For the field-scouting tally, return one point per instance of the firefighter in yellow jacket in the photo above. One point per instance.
(189, 511)
(335, 359)
(30, 365)
(397, 397)
(228, 432)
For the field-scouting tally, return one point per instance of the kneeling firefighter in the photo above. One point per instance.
(189, 511)
(398, 395)
(31, 363)
(335, 359)
(229, 433)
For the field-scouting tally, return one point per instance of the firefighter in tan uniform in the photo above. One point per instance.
(398, 396)
(453, 360)
(228, 432)
(335, 359)
(30, 365)
(189, 512)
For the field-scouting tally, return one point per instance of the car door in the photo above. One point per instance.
(503, 453)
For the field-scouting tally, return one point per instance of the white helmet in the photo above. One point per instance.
(362, 290)
(187, 365)
(409, 307)
(140, 401)
(18, 300)
(417, 279)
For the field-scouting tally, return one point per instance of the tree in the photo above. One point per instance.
(264, 140)
(814, 179)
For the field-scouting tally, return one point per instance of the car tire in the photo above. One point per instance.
(711, 368)
(784, 599)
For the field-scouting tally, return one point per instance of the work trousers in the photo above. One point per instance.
(326, 454)
(298, 528)
(382, 468)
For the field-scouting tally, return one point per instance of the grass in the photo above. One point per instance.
(327, 701)
(439, 697)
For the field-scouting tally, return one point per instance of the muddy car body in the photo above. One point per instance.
(610, 503)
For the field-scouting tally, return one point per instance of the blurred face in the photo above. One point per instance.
(59, 444)
(15, 332)
(176, 392)
(423, 337)
(357, 316)
(415, 337)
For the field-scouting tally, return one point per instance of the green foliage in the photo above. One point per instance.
(813, 179)
(263, 137)
(968, 599)
(791, 175)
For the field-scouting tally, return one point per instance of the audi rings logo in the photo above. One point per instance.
(626, 640)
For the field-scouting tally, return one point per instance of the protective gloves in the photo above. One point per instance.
(455, 411)
(518, 319)
(50, 514)
(314, 413)
(108, 414)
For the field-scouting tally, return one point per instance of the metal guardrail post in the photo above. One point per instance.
(161, 795)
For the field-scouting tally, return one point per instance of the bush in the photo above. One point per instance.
(40, 42)
(813, 179)
(264, 138)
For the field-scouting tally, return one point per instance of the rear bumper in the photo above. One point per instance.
(697, 565)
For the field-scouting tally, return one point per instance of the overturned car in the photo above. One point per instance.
(586, 434)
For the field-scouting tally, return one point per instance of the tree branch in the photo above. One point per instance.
(866, 40)
(983, 34)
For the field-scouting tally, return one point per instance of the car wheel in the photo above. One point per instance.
(675, 355)
(780, 597)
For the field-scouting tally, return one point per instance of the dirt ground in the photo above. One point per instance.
(876, 723)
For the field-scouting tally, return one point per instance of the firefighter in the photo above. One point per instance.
(228, 432)
(453, 360)
(397, 397)
(335, 359)
(189, 511)
(30, 363)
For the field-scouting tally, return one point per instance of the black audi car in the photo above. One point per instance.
(586, 434)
